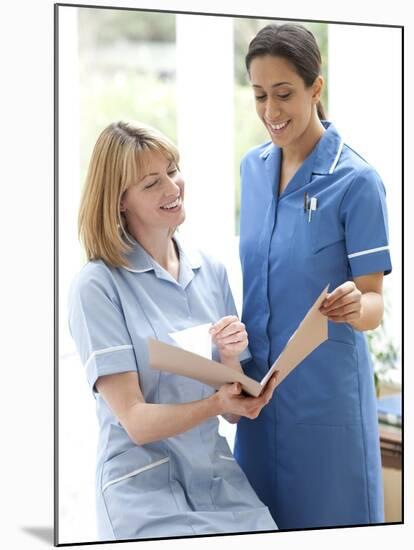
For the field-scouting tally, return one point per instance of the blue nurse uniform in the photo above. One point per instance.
(313, 454)
(188, 484)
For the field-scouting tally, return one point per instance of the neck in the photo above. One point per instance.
(160, 246)
(300, 149)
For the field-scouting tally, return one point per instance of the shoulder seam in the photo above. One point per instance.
(365, 169)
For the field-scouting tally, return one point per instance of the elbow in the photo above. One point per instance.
(137, 433)
(371, 324)
(137, 437)
(371, 319)
(375, 325)
(138, 440)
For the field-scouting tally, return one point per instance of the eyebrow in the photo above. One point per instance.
(155, 173)
(273, 85)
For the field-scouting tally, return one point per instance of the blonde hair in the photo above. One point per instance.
(115, 165)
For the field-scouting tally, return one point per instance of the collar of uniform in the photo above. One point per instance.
(140, 261)
(328, 151)
(188, 254)
(138, 258)
(267, 150)
(271, 156)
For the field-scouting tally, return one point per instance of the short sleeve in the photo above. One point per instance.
(97, 326)
(364, 216)
(230, 308)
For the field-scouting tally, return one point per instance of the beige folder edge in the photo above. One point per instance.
(312, 331)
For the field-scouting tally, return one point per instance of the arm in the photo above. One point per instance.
(357, 302)
(147, 422)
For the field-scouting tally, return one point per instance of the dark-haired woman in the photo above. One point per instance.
(313, 212)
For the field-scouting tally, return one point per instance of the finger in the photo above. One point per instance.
(345, 318)
(233, 339)
(270, 388)
(342, 312)
(266, 396)
(233, 350)
(349, 299)
(338, 293)
(236, 388)
(233, 389)
(231, 329)
(221, 323)
(345, 310)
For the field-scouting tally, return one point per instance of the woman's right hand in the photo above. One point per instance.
(231, 402)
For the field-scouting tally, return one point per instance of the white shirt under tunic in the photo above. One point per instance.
(188, 484)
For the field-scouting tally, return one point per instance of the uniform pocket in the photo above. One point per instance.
(315, 235)
(319, 248)
(225, 465)
(136, 491)
(136, 472)
(230, 487)
(136, 461)
(325, 230)
(327, 386)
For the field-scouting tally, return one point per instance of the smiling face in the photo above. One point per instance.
(155, 202)
(284, 104)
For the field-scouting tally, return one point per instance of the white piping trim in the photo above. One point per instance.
(226, 457)
(136, 472)
(106, 350)
(335, 162)
(370, 251)
(138, 270)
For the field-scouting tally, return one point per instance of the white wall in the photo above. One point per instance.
(205, 128)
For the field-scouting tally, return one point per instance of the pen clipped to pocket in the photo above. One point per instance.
(310, 204)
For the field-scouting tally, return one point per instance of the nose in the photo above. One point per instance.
(272, 111)
(171, 187)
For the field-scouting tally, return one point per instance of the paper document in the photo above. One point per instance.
(196, 339)
(312, 331)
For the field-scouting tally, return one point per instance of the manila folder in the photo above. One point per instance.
(312, 331)
(176, 360)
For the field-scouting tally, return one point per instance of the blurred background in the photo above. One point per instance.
(185, 75)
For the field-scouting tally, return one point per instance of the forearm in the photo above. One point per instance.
(147, 422)
(372, 311)
(232, 362)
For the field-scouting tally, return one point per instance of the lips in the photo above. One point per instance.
(279, 127)
(172, 205)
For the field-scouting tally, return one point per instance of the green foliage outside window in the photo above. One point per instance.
(384, 353)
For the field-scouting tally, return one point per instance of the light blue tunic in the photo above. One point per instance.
(319, 463)
(185, 485)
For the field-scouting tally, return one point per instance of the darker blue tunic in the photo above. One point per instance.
(313, 454)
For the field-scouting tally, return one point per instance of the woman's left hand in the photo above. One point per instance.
(343, 305)
(230, 336)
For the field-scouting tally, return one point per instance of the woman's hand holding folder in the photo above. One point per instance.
(232, 403)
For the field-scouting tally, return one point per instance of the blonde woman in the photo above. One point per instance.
(162, 468)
